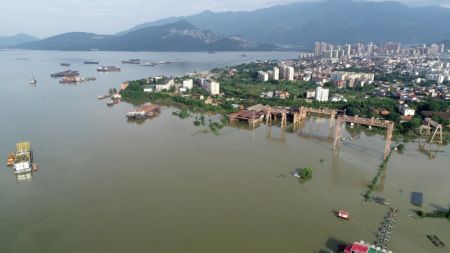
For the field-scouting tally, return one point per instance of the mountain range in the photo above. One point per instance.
(178, 36)
(334, 21)
(6, 41)
(297, 24)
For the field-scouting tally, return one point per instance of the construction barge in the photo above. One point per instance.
(147, 110)
(75, 79)
(23, 159)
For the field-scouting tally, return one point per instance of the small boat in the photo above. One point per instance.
(149, 64)
(10, 161)
(91, 62)
(34, 167)
(436, 241)
(112, 101)
(381, 200)
(343, 214)
(132, 61)
(104, 96)
(33, 80)
(65, 64)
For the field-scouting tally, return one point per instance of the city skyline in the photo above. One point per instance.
(110, 17)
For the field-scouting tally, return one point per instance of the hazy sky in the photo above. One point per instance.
(48, 17)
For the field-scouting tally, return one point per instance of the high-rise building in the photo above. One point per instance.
(212, 87)
(263, 76)
(434, 49)
(370, 48)
(322, 94)
(276, 74)
(317, 49)
(347, 49)
(441, 48)
(287, 73)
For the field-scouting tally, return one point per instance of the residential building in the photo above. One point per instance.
(188, 84)
(322, 94)
(212, 87)
(405, 110)
(287, 73)
(310, 94)
(263, 76)
(165, 85)
(276, 74)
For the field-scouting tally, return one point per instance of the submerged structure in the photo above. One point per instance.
(145, 111)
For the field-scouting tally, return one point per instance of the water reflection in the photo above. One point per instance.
(282, 135)
(427, 149)
(24, 177)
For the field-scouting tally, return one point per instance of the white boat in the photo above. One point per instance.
(24, 158)
(33, 81)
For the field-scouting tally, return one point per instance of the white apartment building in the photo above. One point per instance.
(188, 84)
(287, 73)
(406, 111)
(263, 76)
(276, 74)
(322, 94)
(435, 77)
(212, 87)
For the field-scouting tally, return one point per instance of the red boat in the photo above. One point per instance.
(343, 214)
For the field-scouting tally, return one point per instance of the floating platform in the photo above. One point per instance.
(417, 198)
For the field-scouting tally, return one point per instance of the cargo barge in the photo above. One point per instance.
(132, 61)
(66, 73)
(76, 79)
(108, 69)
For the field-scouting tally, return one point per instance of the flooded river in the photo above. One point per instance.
(107, 185)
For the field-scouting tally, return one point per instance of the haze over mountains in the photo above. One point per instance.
(300, 24)
(334, 21)
(177, 36)
(6, 41)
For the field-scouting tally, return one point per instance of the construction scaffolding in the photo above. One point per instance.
(389, 125)
(426, 127)
(301, 114)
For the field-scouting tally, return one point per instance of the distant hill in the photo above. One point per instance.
(177, 36)
(67, 41)
(6, 41)
(335, 21)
